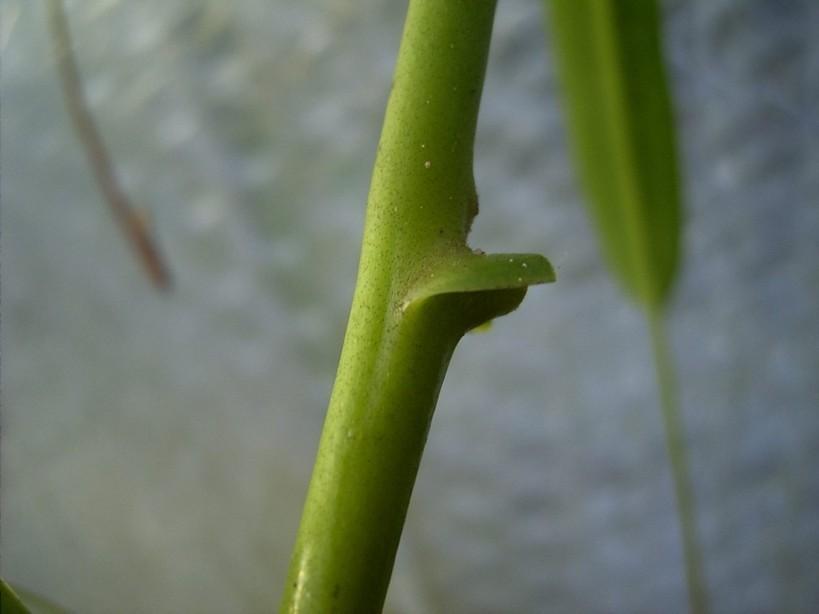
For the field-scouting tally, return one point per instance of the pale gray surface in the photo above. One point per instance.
(156, 449)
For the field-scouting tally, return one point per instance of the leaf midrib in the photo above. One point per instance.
(621, 132)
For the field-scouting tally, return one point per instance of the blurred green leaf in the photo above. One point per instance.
(10, 602)
(15, 600)
(609, 55)
(621, 125)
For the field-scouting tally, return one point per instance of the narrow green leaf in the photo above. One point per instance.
(10, 602)
(622, 128)
(621, 125)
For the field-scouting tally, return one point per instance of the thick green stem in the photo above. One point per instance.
(678, 457)
(419, 289)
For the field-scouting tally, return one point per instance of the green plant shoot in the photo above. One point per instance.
(419, 289)
(621, 124)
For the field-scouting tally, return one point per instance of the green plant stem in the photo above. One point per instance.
(678, 457)
(419, 289)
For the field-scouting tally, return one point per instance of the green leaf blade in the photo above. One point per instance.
(622, 129)
(10, 602)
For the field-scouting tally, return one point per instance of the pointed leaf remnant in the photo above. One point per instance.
(480, 273)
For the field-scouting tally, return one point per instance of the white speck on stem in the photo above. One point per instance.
(427, 164)
(524, 265)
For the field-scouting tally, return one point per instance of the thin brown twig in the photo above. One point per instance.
(133, 225)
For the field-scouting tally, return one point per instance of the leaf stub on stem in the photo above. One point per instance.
(488, 286)
(478, 272)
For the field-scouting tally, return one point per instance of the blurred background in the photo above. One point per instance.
(156, 448)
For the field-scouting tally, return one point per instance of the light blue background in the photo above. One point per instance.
(156, 449)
